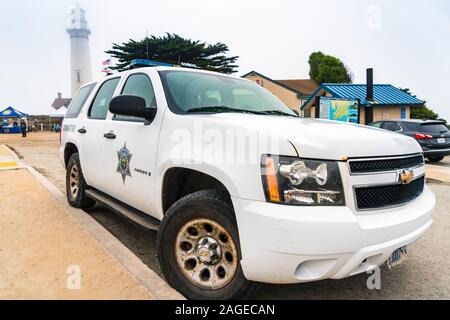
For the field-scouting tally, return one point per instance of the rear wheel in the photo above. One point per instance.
(435, 159)
(76, 185)
(198, 248)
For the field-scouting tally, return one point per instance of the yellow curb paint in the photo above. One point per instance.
(8, 164)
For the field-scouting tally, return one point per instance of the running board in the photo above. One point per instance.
(134, 215)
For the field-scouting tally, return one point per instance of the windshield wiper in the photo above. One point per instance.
(278, 112)
(221, 109)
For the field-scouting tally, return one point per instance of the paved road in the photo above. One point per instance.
(426, 275)
(444, 163)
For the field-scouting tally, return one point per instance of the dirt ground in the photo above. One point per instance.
(43, 249)
(425, 275)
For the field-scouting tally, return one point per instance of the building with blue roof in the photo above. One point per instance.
(375, 101)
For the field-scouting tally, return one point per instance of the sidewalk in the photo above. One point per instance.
(6, 160)
(437, 173)
(43, 246)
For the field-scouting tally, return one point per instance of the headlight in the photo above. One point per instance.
(303, 182)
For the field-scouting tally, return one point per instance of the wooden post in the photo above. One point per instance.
(317, 109)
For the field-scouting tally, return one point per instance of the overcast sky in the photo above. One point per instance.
(407, 42)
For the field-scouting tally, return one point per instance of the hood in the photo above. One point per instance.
(324, 139)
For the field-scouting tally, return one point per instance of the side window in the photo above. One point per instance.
(79, 100)
(138, 85)
(376, 125)
(99, 107)
(410, 126)
(389, 125)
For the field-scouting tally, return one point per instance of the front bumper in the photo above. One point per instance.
(288, 244)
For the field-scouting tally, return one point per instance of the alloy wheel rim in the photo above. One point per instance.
(206, 254)
(74, 179)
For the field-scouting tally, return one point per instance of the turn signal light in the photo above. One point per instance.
(423, 136)
(272, 180)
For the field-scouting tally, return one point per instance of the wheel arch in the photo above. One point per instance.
(69, 149)
(178, 182)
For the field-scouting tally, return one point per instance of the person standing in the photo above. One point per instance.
(23, 128)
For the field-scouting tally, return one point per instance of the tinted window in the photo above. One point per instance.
(434, 128)
(141, 86)
(391, 126)
(411, 126)
(376, 125)
(79, 100)
(100, 105)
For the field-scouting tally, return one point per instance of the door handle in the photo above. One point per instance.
(82, 130)
(109, 135)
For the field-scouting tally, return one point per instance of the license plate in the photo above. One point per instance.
(441, 140)
(397, 257)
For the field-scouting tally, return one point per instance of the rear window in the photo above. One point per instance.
(435, 128)
(79, 100)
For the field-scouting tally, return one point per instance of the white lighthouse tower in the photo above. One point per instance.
(80, 59)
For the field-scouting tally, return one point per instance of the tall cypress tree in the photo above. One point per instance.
(172, 48)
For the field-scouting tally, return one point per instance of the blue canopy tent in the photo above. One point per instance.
(10, 112)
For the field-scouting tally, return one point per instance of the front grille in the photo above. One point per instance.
(388, 196)
(367, 166)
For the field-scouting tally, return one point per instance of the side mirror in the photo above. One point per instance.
(134, 106)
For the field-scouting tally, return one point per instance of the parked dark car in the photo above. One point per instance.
(432, 135)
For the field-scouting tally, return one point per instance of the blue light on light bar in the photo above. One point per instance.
(149, 63)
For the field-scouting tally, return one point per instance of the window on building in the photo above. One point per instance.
(403, 113)
(100, 105)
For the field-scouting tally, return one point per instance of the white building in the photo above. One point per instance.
(80, 65)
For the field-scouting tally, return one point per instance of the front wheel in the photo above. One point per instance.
(198, 248)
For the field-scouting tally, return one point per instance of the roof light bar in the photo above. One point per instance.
(137, 63)
(140, 63)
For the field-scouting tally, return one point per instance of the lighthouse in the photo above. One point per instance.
(80, 59)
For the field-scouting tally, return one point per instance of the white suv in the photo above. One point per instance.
(240, 189)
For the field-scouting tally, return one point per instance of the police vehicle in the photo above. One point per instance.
(239, 188)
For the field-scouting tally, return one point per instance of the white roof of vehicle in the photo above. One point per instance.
(60, 113)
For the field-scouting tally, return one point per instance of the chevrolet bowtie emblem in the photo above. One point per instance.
(406, 176)
(203, 252)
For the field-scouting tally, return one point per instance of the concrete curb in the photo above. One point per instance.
(159, 288)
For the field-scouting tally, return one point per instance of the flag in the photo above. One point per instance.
(107, 71)
(106, 62)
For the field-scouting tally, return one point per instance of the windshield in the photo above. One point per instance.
(189, 92)
(435, 128)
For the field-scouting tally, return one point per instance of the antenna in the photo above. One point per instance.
(146, 38)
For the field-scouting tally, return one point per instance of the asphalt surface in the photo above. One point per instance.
(444, 163)
(425, 275)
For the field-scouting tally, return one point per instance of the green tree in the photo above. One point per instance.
(172, 48)
(421, 112)
(328, 69)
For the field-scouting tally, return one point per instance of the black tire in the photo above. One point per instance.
(78, 200)
(211, 205)
(435, 159)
